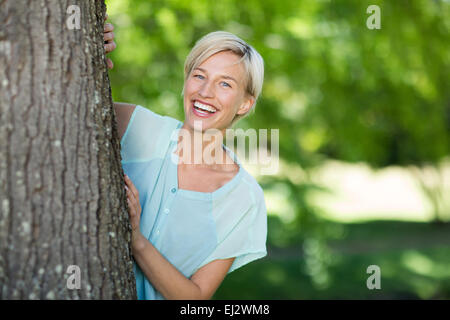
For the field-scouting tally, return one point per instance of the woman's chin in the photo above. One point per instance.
(197, 124)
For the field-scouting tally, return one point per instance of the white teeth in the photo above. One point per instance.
(204, 107)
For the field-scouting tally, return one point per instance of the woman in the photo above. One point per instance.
(192, 223)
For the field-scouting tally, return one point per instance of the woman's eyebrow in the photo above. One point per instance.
(222, 75)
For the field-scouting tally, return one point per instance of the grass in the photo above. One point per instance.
(414, 259)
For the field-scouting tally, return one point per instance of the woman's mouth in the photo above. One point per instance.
(203, 110)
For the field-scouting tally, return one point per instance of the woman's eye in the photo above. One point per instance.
(226, 84)
(198, 76)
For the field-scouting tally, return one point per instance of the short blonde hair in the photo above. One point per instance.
(219, 41)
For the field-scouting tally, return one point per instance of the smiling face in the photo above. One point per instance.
(214, 92)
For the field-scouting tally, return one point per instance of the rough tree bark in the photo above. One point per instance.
(62, 199)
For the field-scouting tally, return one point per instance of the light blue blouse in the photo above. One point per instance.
(189, 228)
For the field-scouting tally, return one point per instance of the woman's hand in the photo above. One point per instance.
(108, 37)
(134, 212)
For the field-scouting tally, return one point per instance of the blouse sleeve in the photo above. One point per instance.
(145, 135)
(245, 237)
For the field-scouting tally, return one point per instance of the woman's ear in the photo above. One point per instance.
(246, 106)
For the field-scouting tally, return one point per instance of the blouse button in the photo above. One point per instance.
(166, 210)
(173, 190)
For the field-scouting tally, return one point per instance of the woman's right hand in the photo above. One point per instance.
(138, 241)
(134, 207)
(108, 37)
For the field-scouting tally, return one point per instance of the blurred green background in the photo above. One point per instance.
(364, 134)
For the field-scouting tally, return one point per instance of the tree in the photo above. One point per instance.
(62, 198)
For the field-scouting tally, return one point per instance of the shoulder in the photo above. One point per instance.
(146, 119)
(123, 113)
(241, 198)
(163, 122)
(248, 197)
(247, 188)
(147, 135)
(253, 188)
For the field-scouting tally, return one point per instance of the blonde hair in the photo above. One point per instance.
(219, 41)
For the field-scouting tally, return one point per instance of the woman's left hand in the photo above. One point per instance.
(108, 37)
(134, 207)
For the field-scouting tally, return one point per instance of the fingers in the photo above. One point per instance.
(131, 186)
(108, 27)
(132, 198)
(109, 63)
(134, 209)
(134, 214)
(108, 36)
(132, 202)
(131, 208)
(110, 46)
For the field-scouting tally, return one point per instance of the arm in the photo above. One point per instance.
(123, 115)
(171, 283)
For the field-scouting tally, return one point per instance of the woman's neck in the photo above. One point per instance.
(202, 148)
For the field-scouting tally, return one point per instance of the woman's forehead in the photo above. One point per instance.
(224, 63)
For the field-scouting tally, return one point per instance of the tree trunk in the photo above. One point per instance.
(62, 199)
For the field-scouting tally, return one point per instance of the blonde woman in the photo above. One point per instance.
(193, 222)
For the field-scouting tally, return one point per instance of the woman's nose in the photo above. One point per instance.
(206, 90)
